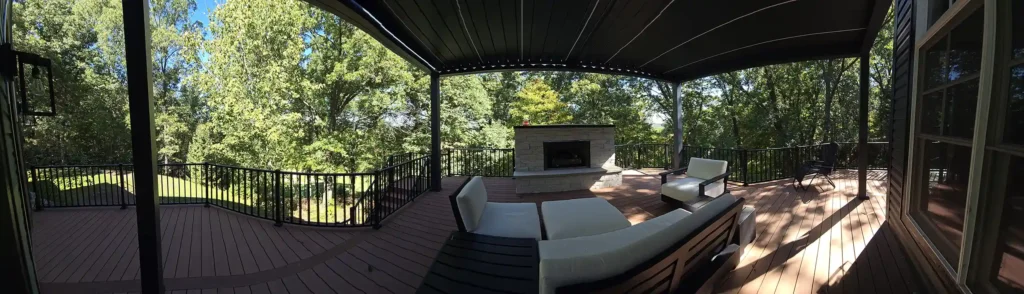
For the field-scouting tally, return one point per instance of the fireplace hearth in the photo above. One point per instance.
(566, 154)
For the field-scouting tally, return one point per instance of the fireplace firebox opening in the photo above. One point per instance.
(566, 154)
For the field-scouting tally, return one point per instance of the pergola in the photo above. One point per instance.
(667, 40)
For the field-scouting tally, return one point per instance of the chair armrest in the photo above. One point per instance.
(702, 185)
(715, 179)
(664, 175)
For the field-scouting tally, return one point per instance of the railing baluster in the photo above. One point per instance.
(278, 205)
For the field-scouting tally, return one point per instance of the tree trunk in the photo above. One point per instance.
(780, 133)
(832, 78)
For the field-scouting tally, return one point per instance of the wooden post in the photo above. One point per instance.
(862, 139)
(435, 131)
(139, 73)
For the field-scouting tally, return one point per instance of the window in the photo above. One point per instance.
(948, 101)
(999, 255)
(1008, 255)
(935, 10)
(942, 197)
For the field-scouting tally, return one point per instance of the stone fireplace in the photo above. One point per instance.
(555, 158)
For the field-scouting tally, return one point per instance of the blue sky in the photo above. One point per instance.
(203, 9)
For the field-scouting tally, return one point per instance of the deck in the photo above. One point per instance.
(822, 240)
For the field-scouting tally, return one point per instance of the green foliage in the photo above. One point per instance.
(300, 89)
(538, 104)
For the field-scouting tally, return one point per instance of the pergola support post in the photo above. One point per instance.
(435, 131)
(140, 105)
(862, 138)
(677, 125)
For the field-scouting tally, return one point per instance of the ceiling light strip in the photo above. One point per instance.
(352, 3)
(715, 28)
(464, 27)
(766, 42)
(641, 31)
(584, 28)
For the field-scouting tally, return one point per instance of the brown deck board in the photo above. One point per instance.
(207, 257)
(286, 253)
(113, 254)
(99, 254)
(221, 265)
(814, 241)
(333, 280)
(245, 252)
(58, 250)
(234, 250)
(195, 261)
(79, 251)
(353, 277)
(176, 237)
(259, 254)
(269, 247)
(181, 268)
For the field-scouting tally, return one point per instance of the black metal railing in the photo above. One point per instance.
(761, 165)
(320, 199)
(365, 199)
(487, 162)
(643, 155)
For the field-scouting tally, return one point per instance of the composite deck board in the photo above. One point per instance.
(821, 240)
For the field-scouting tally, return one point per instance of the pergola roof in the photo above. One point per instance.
(662, 39)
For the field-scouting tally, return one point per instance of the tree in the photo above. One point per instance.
(539, 104)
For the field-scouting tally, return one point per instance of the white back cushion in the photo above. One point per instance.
(591, 258)
(706, 168)
(471, 201)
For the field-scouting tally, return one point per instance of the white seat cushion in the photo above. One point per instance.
(706, 168)
(513, 220)
(591, 258)
(685, 189)
(581, 217)
(471, 201)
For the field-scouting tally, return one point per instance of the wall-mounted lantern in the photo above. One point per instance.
(35, 91)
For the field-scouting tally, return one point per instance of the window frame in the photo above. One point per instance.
(953, 16)
(997, 153)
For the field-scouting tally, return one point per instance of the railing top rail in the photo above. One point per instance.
(776, 148)
(178, 164)
(293, 173)
(242, 168)
(78, 165)
(481, 149)
(404, 163)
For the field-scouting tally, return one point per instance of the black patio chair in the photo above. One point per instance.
(823, 167)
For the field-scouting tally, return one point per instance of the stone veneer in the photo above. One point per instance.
(530, 176)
